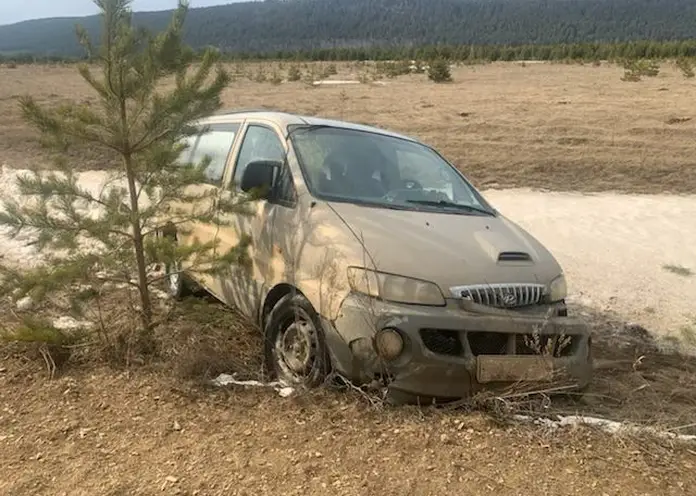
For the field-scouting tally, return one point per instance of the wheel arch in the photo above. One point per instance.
(273, 297)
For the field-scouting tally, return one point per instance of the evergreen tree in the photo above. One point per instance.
(439, 71)
(142, 126)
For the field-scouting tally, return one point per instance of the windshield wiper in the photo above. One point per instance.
(448, 204)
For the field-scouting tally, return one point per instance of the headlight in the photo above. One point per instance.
(558, 289)
(394, 288)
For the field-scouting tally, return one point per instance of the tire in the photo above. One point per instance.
(295, 348)
(174, 277)
(174, 281)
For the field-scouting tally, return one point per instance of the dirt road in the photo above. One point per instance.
(617, 250)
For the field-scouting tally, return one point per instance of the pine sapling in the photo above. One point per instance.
(148, 97)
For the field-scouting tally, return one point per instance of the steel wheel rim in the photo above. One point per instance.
(296, 347)
(174, 277)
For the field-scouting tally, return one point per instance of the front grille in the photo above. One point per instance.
(441, 341)
(501, 295)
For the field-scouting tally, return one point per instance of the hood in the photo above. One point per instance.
(449, 249)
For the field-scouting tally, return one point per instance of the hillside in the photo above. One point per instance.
(308, 24)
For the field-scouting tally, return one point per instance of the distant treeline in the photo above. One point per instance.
(574, 51)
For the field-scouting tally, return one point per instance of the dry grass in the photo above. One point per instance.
(158, 430)
(100, 432)
(563, 127)
(678, 270)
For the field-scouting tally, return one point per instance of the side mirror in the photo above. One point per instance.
(260, 174)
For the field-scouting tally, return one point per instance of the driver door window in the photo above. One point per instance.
(260, 143)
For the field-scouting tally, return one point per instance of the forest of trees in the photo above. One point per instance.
(387, 29)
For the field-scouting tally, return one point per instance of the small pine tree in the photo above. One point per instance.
(686, 67)
(634, 70)
(141, 125)
(260, 76)
(275, 78)
(294, 73)
(439, 71)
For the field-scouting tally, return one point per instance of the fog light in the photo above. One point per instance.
(389, 343)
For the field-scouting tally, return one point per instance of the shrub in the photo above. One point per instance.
(634, 70)
(439, 71)
(686, 67)
(294, 73)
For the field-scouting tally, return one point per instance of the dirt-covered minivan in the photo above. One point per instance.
(374, 258)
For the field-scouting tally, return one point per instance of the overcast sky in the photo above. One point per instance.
(12, 11)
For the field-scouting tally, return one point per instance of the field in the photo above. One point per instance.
(602, 171)
(560, 127)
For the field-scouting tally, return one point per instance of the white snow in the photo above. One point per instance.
(609, 426)
(229, 380)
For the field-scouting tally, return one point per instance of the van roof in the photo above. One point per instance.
(285, 119)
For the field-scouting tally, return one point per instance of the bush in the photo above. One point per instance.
(634, 70)
(686, 67)
(439, 71)
(394, 69)
(275, 78)
(294, 73)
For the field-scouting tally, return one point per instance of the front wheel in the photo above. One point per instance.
(295, 347)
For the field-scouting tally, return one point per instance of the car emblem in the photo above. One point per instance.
(509, 299)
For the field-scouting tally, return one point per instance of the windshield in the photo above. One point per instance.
(362, 167)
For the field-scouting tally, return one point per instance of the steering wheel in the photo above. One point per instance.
(412, 184)
(408, 187)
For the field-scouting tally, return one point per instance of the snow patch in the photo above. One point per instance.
(229, 380)
(606, 425)
(66, 323)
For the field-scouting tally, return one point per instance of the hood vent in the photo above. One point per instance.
(514, 256)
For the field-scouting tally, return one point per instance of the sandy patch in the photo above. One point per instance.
(613, 247)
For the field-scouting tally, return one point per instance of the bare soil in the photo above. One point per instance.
(559, 127)
(160, 428)
(104, 432)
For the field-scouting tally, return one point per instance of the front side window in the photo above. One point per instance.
(370, 168)
(260, 143)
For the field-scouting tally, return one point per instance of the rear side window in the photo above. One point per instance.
(216, 142)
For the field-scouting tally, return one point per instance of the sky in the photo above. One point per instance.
(12, 11)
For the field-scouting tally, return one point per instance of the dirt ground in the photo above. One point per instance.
(559, 127)
(162, 429)
(101, 432)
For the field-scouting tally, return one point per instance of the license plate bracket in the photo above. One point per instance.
(514, 368)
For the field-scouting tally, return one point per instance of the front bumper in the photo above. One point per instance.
(457, 350)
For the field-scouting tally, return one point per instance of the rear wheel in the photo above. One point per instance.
(295, 347)
(174, 278)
